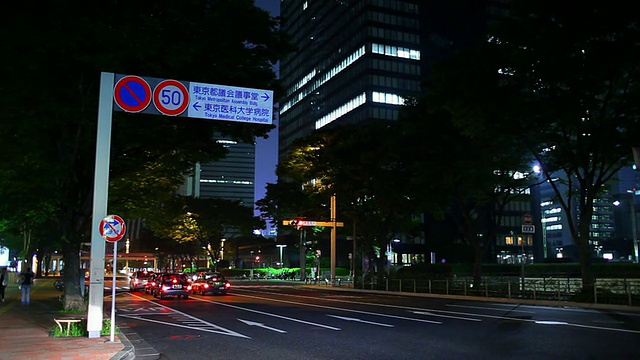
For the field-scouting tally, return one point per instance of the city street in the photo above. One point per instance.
(283, 320)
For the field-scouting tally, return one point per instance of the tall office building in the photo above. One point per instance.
(231, 178)
(357, 59)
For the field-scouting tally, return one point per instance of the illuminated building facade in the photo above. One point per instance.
(358, 59)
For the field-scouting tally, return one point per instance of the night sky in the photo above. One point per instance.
(266, 149)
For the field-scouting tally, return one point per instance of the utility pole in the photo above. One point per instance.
(303, 256)
(334, 230)
(301, 224)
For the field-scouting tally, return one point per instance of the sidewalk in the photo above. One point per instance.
(24, 330)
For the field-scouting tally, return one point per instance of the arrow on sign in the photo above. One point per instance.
(360, 321)
(261, 325)
(196, 106)
(265, 97)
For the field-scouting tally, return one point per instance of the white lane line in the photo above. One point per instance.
(269, 314)
(461, 313)
(360, 321)
(488, 308)
(212, 330)
(343, 309)
(261, 325)
(195, 323)
(445, 316)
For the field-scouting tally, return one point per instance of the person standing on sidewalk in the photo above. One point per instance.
(26, 279)
(3, 282)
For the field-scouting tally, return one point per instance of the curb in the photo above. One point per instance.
(128, 352)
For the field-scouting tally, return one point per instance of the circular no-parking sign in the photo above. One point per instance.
(112, 228)
(171, 97)
(132, 93)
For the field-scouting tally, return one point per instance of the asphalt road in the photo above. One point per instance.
(275, 320)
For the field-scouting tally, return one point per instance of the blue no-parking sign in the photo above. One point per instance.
(132, 94)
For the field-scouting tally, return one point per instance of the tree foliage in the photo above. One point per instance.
(212, 224)
(577, 72)
(54, 53)
(357, 165)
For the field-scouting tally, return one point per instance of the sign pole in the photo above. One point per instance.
(113, 291)
(100, 194)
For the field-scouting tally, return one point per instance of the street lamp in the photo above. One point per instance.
(281, 247)
(390, 254)
(634, 228)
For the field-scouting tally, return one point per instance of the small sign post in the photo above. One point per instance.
(112, 229)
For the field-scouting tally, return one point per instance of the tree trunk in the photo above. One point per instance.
(582, 242)
(584, 254)
(73, 300)
(478, 255)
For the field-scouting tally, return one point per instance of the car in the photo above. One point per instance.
(139, 279)
(211, 284)
(152, 282)
(172, 285)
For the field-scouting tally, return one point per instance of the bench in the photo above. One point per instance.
(67, 321)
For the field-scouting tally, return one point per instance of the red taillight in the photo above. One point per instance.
(206, 286)
(227, 285)
(166, 287)
(189, 287)
(175, 281)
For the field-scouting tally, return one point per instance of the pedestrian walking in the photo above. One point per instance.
(26, 279)
(3, 282)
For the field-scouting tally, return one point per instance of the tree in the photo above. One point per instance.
(577, 72)
(357, 165)
(464, 178)
(212, 224)
(564, 82)
(54, 55)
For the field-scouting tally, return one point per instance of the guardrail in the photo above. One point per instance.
(606, 291)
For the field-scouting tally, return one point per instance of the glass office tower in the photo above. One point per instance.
(358, 59)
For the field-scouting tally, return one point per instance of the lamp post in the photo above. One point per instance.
(281, 247)
(390, 254)
(634, 228)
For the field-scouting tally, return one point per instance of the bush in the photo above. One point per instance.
(79, 329)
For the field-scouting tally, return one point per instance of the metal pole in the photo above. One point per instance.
(303, 257)
(353, 256)
(522, 262)
(634, 229)
(100, 195)
(333, 238)
(114, 269)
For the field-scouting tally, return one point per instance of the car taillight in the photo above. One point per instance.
(189, 287)
(227, 285)
(206, 286)
(166, 287)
